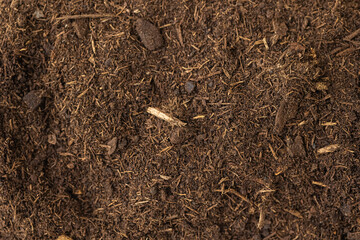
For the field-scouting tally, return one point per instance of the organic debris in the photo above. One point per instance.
(179, 119)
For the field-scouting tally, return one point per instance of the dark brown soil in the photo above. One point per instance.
(270, 92)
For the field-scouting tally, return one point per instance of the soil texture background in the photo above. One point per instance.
(269, 92)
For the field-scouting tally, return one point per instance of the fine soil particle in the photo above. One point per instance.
(269, 92)
(149, 34)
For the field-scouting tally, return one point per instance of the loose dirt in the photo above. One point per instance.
(269, 92)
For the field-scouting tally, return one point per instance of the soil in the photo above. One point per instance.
(261, 86)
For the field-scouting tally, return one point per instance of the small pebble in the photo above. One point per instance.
(189, 86)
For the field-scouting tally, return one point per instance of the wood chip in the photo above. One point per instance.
(353, 236)
(165, 117)
(294, 213)
(328, 124)
(63, 237)
(82, 16)
(328, 149)
(15, 3)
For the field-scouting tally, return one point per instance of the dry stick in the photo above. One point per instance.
(261, 219)
(85, 16)
(165, 117)
(352, 35)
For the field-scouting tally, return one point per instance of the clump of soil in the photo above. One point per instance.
(269, 92)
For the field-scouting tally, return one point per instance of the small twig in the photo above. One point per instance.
(165, 117)
(352, 35)
(230, 190)
(260, 224)
(335, 6)
(85, 16)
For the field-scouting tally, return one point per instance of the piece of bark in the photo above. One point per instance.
(280, 30)
(149, 34)
(33, 100)
(287, 110)
(296, 148)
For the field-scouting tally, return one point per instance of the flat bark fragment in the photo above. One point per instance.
(149, 34)
(287, 110)
(296, 148)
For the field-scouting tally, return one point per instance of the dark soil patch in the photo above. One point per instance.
(262, 86)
